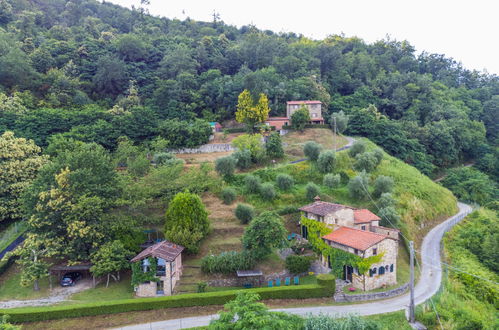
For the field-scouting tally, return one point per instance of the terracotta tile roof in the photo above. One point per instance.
(323, 208)
(277, 118)
(304, 102)
(364, 215)
(355, 238)
(164, 250)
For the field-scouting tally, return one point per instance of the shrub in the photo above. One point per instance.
(350, 322)
(357, 148)
(227, 262)
(186, 221)
(327, 281)
(284, 181)
(326, 161)
(312, 149)
(386, 200)
(311, 190)
(225, 166)
(263, 234)
(229, 195)
(298, 264)
(365, 162)
(273, 146)
(389, 217)
(378, 154)
(267, 191)
(252, 184)
(358, 186)
(251, 142)
(202, 287)
(244, 213)
(382, 184)
(243, 159)
(341, 121)
(300, 118)
(331, 180)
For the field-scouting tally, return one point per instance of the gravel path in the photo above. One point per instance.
(428, 285)
(57, 295)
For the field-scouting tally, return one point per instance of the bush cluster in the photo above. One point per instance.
(298, 264)
(284, 181)
(267, 191)
(252, 184)
(243, 159)
(227, 262)
(229, 195)
(331, 180)
(225, 166)
(357, 148)
(312, 149)
(326, 161)
(244, 213)
(311, 190)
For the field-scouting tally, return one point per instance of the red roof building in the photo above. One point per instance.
(354, 238)
(364, 216)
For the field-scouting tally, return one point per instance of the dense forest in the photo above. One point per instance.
(96, 71)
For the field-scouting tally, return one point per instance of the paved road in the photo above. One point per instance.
(428, 285)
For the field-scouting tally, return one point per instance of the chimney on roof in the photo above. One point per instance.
(317, 198)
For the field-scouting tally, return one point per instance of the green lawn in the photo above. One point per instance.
(389, 321)
(115, 291)
(10, 288)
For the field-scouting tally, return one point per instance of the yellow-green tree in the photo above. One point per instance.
(20, 161)
(250, 113)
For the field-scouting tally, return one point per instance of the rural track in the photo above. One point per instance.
(428, 284)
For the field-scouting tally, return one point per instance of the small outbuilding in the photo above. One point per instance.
(167, 257)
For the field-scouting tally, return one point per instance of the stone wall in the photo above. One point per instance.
(205, 148)
(342, 297)
(386, 231)
(146, 289)
(235, 281)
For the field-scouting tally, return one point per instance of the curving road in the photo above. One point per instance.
(428, 285)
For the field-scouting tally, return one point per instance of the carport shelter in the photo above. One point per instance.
(61, 269)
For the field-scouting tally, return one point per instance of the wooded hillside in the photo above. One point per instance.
(96, 71)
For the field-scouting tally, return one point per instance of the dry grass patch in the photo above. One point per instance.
(295, 140)
(209, 157)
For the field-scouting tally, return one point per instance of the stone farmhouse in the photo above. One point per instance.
(357, 231)
(314, 110)
(169, 268)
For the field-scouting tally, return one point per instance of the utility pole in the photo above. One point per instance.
(334, 132)
(411, 283)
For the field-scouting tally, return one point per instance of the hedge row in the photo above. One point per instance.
(236, 130)
(33, 314)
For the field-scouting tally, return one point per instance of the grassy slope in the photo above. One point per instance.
(421, 202)
(458, 303)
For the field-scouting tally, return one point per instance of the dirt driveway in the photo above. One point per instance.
(57, 295)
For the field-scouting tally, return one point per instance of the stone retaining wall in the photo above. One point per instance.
(205, 148)
(342, 297)
(234, 281)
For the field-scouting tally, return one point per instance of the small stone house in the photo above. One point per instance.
(314, 110)
(168, 257)
(357, 231)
